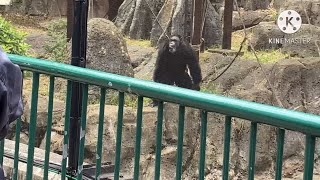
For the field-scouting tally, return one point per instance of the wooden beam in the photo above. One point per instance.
(198, 9)
(227, 24)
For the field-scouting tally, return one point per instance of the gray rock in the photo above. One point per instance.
(212, 27)
(57, 7)
(301, 77)
(296, 83)
(311, 7)
(38, 7)
(261, 35)
(250, 18)
(139, 54)
(308, 44)
(37, 42)
(146, 68)
(254, 4)
(267, 36)
(107, 49)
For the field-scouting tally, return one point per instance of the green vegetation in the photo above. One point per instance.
(211, 88)
(11, 40)
(266, 56)
(274, 14)
(129, 100)
(57, 49)
(134, 42)
(270, 56)
(205, 56)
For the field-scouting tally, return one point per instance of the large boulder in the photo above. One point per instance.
(139, 55)
(110, 133)
(128, 132)
(248, 18)
(107, 49)
(261, 35)
(212, 27)
(155, 19)
(295, 82)
(146, 68)
(254, 4)
(309, 46)
(303, 43)
(58, 8)
(311, 7)
(170, 141)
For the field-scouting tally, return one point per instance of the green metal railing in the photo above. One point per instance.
(256, 113)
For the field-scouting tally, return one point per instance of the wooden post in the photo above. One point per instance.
(198, 8)
(227, 24)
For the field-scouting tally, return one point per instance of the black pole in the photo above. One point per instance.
(227, 24)
(79, 47)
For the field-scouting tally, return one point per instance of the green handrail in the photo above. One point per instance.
(255, 112)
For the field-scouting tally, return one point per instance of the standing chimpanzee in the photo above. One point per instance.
(174, 59)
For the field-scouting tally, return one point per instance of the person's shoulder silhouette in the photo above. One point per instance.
(11, 106)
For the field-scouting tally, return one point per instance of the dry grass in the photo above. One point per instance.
(270, 56)
(141, 43)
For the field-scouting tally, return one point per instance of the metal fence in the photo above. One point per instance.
(307, 124)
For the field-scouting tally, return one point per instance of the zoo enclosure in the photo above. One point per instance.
(256, 113)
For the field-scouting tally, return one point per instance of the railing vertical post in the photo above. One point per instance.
(119, 137)
(66, 133)
(1, 151)
(16, 151)
(79, 43)
(83, 130)
(159, 141)
(49, 128)
(33, 124)
(100, 132)
(226, 150)
(138, 138)
(180, 142)
(280, 142)
(309, 157)
(252, 155)
(204, 124)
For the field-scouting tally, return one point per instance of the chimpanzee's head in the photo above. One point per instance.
(174, 43)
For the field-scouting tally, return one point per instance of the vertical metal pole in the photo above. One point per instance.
(79, 44)
(227, 24)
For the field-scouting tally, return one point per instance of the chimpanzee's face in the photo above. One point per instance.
(174, 43)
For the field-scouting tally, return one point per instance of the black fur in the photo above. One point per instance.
(171, 68)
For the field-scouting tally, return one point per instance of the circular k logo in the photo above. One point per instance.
(289, 21)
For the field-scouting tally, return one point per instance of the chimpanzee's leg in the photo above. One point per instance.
(164, 80)
(184, 81)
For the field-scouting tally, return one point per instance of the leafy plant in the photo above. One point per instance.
(11, 40)
(57, 49)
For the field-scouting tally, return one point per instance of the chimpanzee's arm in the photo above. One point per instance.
(160, 66)
(194, 66)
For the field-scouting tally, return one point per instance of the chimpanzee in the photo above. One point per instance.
(174, 60)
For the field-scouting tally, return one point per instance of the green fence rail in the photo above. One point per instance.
(307, 124)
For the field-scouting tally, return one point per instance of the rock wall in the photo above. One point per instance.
(99, 8)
